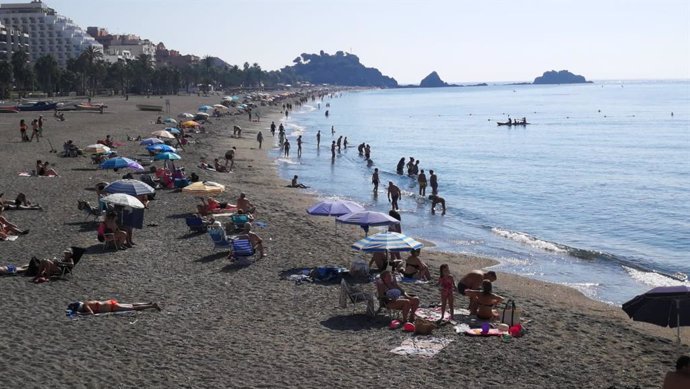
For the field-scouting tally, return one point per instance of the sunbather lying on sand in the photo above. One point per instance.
(211, 205)
(93, 307)
(19, 203)
(51, 267)
(7, 228)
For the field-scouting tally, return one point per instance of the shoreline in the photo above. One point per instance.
(271, 332)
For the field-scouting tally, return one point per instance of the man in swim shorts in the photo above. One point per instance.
(393, 195)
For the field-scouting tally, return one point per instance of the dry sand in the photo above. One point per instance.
(229, 325)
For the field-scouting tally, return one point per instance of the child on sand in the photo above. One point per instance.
(447, 286)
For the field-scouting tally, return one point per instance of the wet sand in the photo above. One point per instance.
(226, 324)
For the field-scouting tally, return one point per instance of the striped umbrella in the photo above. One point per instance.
(121, 163)
(130, 187)
(387, 242)
(96, 149)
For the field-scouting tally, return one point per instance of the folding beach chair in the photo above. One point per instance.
(355, 296)
(242, 247)
(77, 253)
(220, 240)
(88, 209)
(196, 223)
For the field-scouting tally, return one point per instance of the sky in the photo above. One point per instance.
(464, 41)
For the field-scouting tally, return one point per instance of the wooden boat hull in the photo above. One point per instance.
(90, 107)
(8, 110)
(512, 124)
(147, 107)
(40, 106)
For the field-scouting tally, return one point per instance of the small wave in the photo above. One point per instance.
(529, 240)
(286, 161)
(589, 289)
(652, 278)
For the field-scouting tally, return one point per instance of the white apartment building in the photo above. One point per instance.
(49, 33)
(12, 40)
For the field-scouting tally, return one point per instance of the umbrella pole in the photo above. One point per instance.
(678, 321)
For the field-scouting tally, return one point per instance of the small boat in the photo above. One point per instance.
(90, 106)
(9, 109)
(37, 106)
(512, 124)
(150, 107)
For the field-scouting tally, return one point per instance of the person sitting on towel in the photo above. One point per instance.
(484, 301)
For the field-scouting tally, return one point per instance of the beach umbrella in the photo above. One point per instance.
(167, 156)
(220, 106)
(97, 149)
(161, 148)
(150, 141)
(190, 123)
(366, 219)
(121, 163)
(173, 131)
(170, 121)
(204, 188)
(163, 134)
(666, 306)
(185, 115)
(124, 200)
(387, 242)
(334, 208)
(130, 187)
(205, 108)
(201, 116)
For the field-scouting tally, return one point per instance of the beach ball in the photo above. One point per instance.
(394, 324)
(408, 327)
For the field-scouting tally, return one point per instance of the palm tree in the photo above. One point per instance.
(47, 73)
(90, 59)
(22, 72)
(5, 79)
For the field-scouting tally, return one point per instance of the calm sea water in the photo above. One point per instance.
(594, 194)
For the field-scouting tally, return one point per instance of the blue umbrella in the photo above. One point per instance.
(130, 187)
(121, 163)
(387, 242)
(151, 141)
(171, 130)
(666, 306)
(205, 108)
(167, 156)
(161, 148)
(334, 208)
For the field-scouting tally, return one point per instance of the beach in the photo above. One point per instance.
(226, 324)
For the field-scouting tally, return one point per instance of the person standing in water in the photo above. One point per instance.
(332, 129)
(393, 195)
(375, 180)
(273, 129)
(299, 146)
(333, 150)
(345, 142)
(318, 139)
(401, 166)
(421, 180)
(286, 148)
(339, 142)
(433, 181)
(260, 138)
(435, 200)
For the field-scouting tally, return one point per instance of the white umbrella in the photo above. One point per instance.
(163, 134)
(185, 115)
(124, 200)
(97, 149)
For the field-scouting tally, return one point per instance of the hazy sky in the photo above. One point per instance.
(478, 40)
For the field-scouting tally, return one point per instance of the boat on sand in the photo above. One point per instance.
(150, 107)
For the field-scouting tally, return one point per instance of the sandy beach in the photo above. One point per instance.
(226, 324)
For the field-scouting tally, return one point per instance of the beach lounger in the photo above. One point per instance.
(242, 247)
(196, 223)
(355, 296)
(239, 220)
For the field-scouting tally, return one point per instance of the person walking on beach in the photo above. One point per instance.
(318, 139)
(34, 130)
(447, 285)
(286, 148)
(433, 181)
(273, 129)
(260, 138)
(299, 146)
(375, 180)
(22, 130)
(393, 195)
(421, 181)
(333, 150)
(40, 125)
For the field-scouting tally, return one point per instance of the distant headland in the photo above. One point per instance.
(561, 77)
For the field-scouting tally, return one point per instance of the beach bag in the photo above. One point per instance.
(510, 314)
(423, 326)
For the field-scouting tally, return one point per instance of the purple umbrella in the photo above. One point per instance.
(334, 208)
(666, 306)
(366, 219)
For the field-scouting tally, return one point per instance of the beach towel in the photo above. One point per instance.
(11, 238)
(478, 332)
(434, 314)
(422, 347)
(24, 174)
(412, 280)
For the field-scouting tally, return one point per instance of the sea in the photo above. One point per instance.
(594, 193)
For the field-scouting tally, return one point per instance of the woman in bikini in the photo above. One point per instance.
(93, 307)
(485, 301)
(415, 268)
(392, 296)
